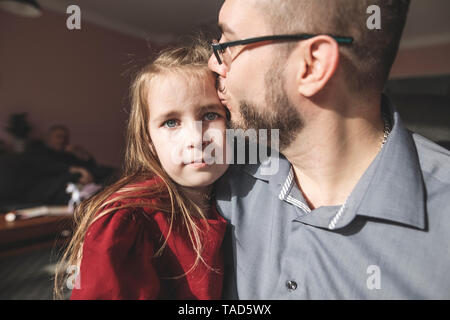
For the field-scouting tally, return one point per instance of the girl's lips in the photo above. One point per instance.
(198, 164)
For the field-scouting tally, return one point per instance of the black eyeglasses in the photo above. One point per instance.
(219, 48)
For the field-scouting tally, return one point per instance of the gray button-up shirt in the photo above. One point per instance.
(390, 241)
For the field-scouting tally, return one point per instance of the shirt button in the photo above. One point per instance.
(291, 285)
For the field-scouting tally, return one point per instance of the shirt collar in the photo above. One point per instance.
(394, 188)
(275, 170)
(391, 189)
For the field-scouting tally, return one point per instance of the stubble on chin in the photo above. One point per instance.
(276, 113)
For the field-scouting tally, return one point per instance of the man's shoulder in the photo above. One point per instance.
(434, 159)
(237, 177)
(244, 183)
(237, 173)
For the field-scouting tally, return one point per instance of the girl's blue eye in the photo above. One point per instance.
(211, 116)
(170, 123)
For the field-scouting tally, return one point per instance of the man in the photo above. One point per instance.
(58, 139)
(359, 206)
(40, 175)
(58, 150)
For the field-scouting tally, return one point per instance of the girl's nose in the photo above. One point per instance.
(198, 144)
(195, 136)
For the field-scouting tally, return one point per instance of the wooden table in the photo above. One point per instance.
(24, 235)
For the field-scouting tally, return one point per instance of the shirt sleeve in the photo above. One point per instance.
(117, 259)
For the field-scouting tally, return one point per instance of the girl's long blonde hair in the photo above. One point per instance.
(141, 163)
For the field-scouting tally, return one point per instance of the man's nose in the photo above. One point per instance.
(220, 69)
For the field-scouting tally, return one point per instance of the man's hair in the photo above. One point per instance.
(58, 127)
(370, 58)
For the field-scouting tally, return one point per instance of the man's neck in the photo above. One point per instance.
(333, 151)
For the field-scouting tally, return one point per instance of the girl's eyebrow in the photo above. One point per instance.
(210, 107)
(167, 115)
(176, 114)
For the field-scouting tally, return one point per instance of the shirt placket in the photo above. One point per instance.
(292, 282)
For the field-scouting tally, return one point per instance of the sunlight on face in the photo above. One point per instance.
(240, 20)
(187, 126)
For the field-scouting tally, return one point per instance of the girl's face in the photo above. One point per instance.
(187, 126)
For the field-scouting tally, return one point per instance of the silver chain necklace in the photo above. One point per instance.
(387, 131)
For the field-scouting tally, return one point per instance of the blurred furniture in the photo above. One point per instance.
(30, 234)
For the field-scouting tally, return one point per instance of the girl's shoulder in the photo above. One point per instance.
(143, 194)
(133, 207)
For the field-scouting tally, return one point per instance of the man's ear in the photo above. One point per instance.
(319, 58)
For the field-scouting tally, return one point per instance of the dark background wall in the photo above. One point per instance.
(420, 87)
(78, 78)
(81, 78)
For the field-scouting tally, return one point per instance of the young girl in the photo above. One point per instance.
(155, 233)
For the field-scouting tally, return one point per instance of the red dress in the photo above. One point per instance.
(118, 262)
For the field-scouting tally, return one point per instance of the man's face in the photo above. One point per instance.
(58, 139)
(250, 79)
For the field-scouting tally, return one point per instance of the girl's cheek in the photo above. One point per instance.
(215, 129)
(175, 146)
(219, 124)
(174, 136)
(169, 163)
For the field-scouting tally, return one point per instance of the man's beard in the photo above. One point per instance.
(278, 113)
